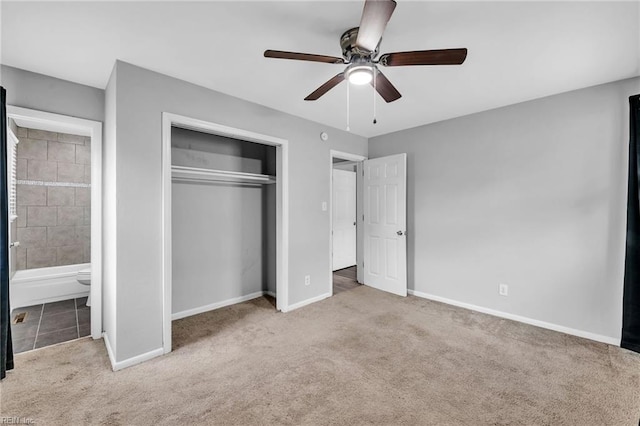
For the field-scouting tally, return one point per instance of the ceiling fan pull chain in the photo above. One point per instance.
(375, 89)
(348, 129)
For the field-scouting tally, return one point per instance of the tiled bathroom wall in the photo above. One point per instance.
(53, 199)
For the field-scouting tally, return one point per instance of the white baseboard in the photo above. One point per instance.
(34, 287)
(129, 362)
(306, 302)
(112, 357)
(542, 324)
(218, 305)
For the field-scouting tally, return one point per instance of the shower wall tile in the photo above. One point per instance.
(75, 139)
(32, 149)
(70, 215)
(84, 233)
(21, 168)
(42, 216)
(31, 195)
(21, 221)
(87, 253)
(71, 173)
(83, 154)
(70, 255)
(58, 236)
(42, 170)
(21, 258)
(62, 152)
(40, 257)
(42, 134)
(33, 237)
(83, 197)
(61, 196)
(54, 214)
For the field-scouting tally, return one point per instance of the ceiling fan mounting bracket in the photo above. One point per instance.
(349, 48)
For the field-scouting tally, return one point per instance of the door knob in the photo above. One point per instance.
(399, 233)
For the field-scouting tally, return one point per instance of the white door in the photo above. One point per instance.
(385, 223)
(344, 219)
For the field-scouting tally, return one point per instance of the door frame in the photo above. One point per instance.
(349, 157)
(66, 124)
(170, 120)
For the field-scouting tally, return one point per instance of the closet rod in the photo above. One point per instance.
(194, 174)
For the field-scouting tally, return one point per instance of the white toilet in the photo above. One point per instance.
(84, 277)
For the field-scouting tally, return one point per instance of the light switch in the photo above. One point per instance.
(324, 206)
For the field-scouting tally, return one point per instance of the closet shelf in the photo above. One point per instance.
(194, 174)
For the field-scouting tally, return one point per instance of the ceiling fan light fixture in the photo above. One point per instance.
(360, 75)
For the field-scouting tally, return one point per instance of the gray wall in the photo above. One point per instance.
(141, 96)
(222, 233)
(54, 199)
(41, 92)
(532, 195)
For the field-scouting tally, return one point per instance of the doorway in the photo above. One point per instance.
(54, 289)
(345, 221)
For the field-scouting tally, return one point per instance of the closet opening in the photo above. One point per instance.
(346, 221)
(224, 221)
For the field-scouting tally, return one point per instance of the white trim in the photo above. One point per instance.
(307, 302)
(57, 123)
(129, 362)
(542, 324)
(282, 206)
(112, 356)
(217, 305)
(349, 157)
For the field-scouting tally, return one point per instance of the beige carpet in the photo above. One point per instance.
(360, 357)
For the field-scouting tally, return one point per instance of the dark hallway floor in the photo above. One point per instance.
(344, 280)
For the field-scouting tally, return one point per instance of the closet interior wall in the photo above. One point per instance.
(223, 233)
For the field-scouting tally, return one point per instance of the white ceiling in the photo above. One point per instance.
(517, 51)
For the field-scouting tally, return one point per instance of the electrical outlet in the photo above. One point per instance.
(307, 280)
(324, 206)
(503, 290)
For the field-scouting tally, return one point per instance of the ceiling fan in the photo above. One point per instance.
(360, 50)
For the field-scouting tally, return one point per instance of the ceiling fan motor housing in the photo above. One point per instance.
(350, 51)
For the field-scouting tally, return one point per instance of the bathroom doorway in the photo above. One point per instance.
(57, 213)
(345, 221)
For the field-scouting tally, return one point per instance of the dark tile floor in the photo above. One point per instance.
(50, 323)
(344, 279)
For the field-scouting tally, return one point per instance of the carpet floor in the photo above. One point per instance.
(360, 357)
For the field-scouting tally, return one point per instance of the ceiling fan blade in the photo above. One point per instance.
(384, 87)
(424, 57)
(325, 87)
(279, 54)
(374, 20)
